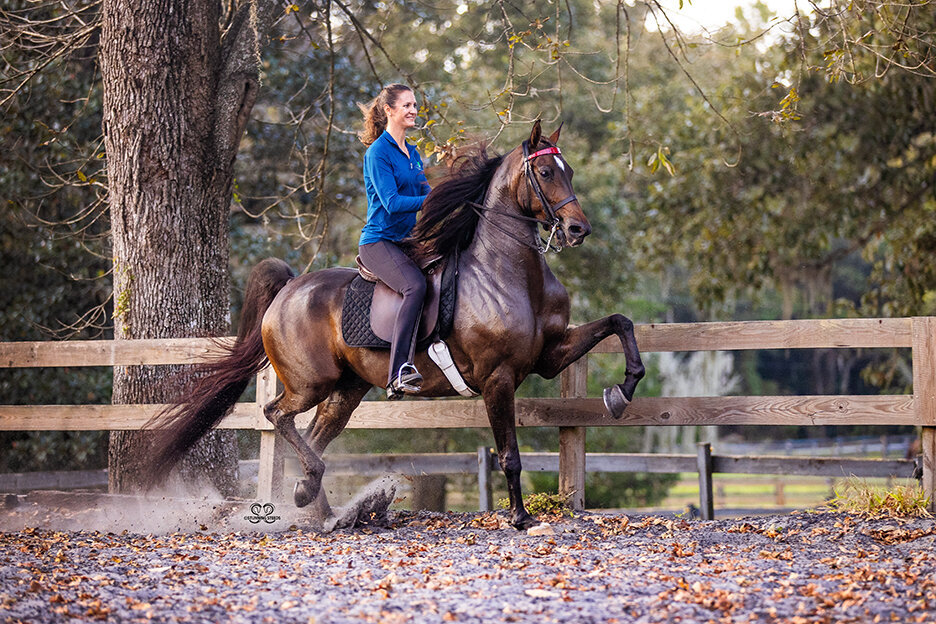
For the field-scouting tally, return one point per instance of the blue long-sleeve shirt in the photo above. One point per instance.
(396, 187)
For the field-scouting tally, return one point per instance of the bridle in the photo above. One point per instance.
(552, 221)
(548, 208)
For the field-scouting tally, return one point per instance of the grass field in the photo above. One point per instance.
(758, 491)
(747, 492)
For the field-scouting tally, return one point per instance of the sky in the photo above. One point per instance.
(711, 15)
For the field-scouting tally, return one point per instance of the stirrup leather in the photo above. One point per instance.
(439, 353)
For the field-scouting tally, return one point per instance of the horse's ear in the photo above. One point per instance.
(554, 137)
(535, 134)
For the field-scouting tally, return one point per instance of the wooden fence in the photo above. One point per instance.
(483, 464)
(572, 412)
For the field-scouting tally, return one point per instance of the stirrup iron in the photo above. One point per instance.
(407, 379)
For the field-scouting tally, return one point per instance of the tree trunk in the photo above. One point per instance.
(176, 100)
(429, 490)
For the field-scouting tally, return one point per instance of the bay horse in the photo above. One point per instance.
(511, 320)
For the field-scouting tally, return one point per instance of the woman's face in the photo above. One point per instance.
(403, 112)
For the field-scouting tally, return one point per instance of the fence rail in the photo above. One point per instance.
(885, 446)
(572, 412)
(653, 337)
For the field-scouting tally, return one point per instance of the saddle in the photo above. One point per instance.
(370, 307)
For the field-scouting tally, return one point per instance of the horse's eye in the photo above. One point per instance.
(545, 172)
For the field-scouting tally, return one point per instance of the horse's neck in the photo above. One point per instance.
(505, 247)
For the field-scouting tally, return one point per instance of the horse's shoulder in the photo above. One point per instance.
(553, 286)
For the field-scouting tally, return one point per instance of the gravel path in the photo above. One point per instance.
(805, 567)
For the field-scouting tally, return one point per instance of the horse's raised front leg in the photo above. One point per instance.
(498, 394)
(577, 341)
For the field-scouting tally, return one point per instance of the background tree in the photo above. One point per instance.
(53, 241)
(177, 96)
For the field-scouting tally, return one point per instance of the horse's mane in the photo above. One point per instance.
(448, 221)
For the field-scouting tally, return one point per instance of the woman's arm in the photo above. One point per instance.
(381, 174)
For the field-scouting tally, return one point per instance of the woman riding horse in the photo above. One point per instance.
(511, 319)
(396, 188)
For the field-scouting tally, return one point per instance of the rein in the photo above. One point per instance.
(541, 246)
(553, 221)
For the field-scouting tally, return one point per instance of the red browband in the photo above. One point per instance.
(543, 152)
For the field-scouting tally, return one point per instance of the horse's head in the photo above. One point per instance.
(545, 188)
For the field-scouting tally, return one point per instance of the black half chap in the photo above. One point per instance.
(396, 270)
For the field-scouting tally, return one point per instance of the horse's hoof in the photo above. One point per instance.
(524, 522)
(302, 494)
(615, 401)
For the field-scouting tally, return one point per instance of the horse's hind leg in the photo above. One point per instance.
(282, 411)
(331, 418)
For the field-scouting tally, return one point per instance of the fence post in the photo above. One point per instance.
(573, 385)
(272, 447)
(924, 398)
(779, 494)
(485, 493)
(929, 465)
(706, 496)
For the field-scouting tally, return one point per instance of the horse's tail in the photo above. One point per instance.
(220, 382)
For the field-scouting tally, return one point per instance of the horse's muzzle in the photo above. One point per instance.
(574, 231)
